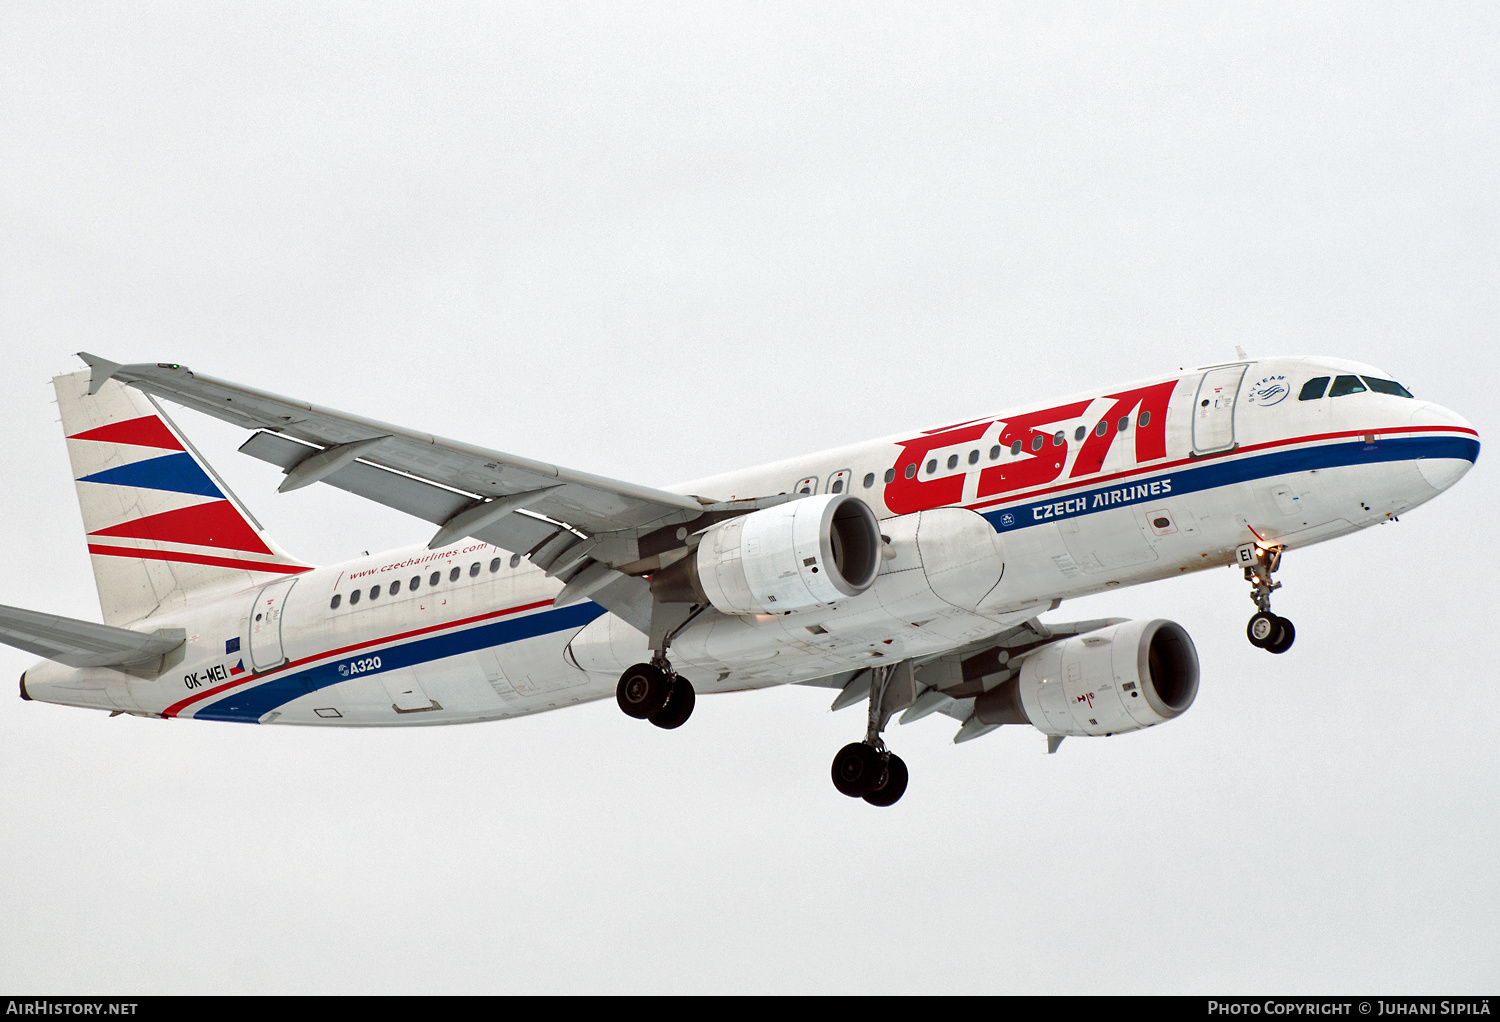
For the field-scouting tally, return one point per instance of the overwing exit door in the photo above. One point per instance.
(1213, 409)
(265, 625)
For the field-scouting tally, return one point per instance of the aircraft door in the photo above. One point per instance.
(1213, 409)
(265, 625)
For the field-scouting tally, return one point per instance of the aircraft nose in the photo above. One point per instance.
(1449, 463)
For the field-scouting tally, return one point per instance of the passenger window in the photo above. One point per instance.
(995, 453)
(953, 461)
(374, 592)
(453, 575)
(354, 597)
(1101, 429)
(1058, 438)
(911, 470)
(974, 456)
(1015, 448)
(1123, 424)
(1313, 389)
(1080, 433)
(1144, 420)
(837, 487)
(338, 598)
(1387, 387)
(869, 479)
(890, 475)
(1036, 443)
(437, 576)
(1344, 385)
(415, 583)
(494, 565)
(931, 466)
(515, 559)
(474, 570)
(395, 587)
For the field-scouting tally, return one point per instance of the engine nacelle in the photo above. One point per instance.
(805, 553)
(1121, 678)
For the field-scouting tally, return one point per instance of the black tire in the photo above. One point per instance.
(679, 705)
(1285, 639)
(1263, 629)
(643, 691)
(857, 770)
(894, 786)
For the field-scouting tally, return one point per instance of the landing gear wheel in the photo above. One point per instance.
(1283, 642)
(894, 786)
(857, 770)
(679, 705)
(643, 691)
(1264, 628)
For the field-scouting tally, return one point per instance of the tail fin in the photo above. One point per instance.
(161, 525)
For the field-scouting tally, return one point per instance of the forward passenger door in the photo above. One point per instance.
(1213, 409)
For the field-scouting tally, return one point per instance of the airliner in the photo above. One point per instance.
(908, 573)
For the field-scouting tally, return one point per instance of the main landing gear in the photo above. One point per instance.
(653, 691)
(867, 769)
(1265, 630)
(656, 693)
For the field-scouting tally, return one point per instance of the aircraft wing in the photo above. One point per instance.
(553, 514)
(83, 643)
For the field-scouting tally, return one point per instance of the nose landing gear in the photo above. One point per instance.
(1265, 630)
(867, 769)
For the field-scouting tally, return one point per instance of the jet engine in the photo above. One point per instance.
(805, 553)
(1121, 678)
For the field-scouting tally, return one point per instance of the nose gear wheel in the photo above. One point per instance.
(1265, 630)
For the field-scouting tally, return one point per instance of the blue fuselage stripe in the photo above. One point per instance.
(250, 704)
(1226, 471)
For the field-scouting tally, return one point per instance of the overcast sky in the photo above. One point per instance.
(661, 241)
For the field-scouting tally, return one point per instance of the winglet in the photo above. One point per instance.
(103, 369)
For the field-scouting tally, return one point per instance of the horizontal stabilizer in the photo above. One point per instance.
(83, 643)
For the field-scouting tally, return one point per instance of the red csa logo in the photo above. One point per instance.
(1087, 697)
(1041, 459)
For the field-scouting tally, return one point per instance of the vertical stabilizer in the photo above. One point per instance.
(161, 525)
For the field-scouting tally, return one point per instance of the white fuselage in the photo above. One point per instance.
(990, 521)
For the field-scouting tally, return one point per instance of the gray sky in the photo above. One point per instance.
(657, 242)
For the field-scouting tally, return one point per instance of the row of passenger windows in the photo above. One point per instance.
(1342, 385)
(415, 582)
(836, 485)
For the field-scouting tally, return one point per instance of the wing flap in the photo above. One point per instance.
(424, 500)
(625, 596)
(77, 643)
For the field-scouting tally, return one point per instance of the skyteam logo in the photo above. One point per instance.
(1269, 391)
(1007, 519)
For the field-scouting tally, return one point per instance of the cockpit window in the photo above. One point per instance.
(1346, 385)
(1313, 389)
(1387, 387)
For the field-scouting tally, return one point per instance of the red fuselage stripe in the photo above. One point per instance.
(218, 562)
